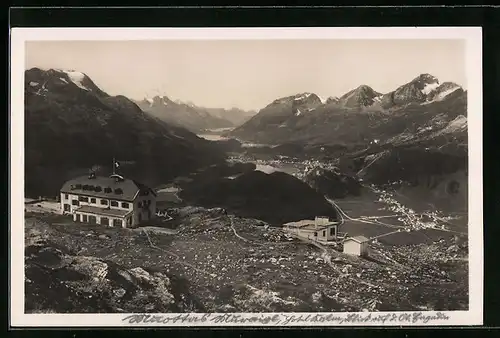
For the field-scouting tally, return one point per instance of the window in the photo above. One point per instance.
(75, 202)
(104, 221)
(78, 186)
(83, 199)
(107, 190)
(324, 233)
(67, 207)
(92, 200)
(65, 196)
(104, 202)
(114, 203)
(139, 204)
(315, 234)
(97, 189)
(124, 205)
(84, 218)
(118, 191)
(332, 231)
(117, 222)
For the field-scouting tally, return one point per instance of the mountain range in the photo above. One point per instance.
(358, 117)
(194, 118)
(71, 125)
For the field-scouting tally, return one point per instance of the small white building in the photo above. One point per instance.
(357, 246)
(320, 229)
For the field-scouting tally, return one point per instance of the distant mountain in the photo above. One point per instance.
(182, 114)
(234, 115)
(332, 99)
(357, 118)
(443, 90)
(281, 113)
(192, 117)
(72, 125)
(415, 91)
(360, 97)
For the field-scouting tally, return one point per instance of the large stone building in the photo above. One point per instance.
(112, 201)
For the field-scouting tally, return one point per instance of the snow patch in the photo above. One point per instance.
(63, 80)
(303, 96)
(34, 84)
(429, 87)
(298, 113)
(76, 78)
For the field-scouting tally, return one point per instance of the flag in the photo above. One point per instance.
(117, 164)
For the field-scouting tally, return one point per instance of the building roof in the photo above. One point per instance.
(105, 187)
(359, 239)
(308, 225)
(103, 211)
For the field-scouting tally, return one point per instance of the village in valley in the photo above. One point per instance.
(348, 264)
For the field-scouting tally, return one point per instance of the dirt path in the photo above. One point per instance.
(236, 233)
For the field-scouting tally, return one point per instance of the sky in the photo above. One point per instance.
(250, 74)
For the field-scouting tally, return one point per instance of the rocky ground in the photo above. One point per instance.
(219, 263)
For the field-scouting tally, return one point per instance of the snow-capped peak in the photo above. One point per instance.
(302, 96)
(429, 87)
(76, 77)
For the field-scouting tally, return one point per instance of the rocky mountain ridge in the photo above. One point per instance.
(191, 116)
(71, 125)
(353, 118)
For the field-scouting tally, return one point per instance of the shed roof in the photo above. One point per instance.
(125, 189)
(306, 223)
(359, 239)
(103, 211)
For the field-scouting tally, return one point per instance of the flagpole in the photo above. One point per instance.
(113, 165)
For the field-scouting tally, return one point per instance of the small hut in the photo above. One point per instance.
(357, 246)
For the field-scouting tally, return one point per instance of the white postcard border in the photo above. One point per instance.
(473, 38)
